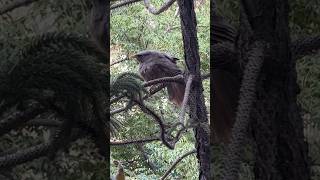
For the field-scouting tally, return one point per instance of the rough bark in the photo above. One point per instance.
(198, 113)
(281, 151)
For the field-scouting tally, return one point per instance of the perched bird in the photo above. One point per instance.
(120, 174)
(155, 65)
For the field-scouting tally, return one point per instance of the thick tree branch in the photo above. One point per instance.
(198, 112)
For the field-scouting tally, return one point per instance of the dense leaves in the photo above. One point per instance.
(134, 29)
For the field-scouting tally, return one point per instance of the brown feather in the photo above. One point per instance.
(155, 65)
(176, 93)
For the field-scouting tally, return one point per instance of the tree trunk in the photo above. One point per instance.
(281, 152)
(198, 112)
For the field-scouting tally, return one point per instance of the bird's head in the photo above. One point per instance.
(146, 55)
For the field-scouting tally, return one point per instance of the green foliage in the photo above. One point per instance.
(134, 29)
(161, 157)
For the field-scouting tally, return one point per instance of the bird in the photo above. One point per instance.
(154, 65)
(120, 174)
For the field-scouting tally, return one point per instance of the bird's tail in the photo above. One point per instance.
(176, 93)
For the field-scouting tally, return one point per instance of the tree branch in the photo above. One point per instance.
(185, 100)
(123, 3)
(128, 105)
(163, 8)
(146, 158)
(136, 141)
(150, 112)
(198, 112)
(115, 99)
(176, 162)
(117, 62)
(177, 78)
(154, 91)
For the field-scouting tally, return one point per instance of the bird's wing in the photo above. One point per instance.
(171, 58)
(158, 69)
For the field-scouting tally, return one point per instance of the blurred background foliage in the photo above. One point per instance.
(80, 161)
(134, 29)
